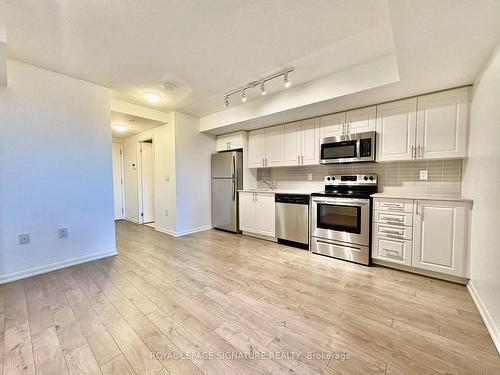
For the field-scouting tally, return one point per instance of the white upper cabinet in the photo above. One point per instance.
(302, 142)
(266, 147)
(256, 148)
(292, 143)
(361, 120)
(275, 146)
(396, 130)
(309, 142)
(231, 141)
(332, 125)
(440, 237)
(442, 124)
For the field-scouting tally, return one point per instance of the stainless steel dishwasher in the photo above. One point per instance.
(292, 220)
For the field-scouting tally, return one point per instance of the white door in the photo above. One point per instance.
(332, 125)
(396, 128)
(118, 180)
(440, 237)
(147, 183)
(265, 214)
(275, 150)
(309, 142)
(247, 211)
(292, 143)
(256, 148)
(361, 120)
(442, 124)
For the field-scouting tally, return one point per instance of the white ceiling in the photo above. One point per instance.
(134, 124)
(207, 48)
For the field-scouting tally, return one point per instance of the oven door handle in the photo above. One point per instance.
(340, 203)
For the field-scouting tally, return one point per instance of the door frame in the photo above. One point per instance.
(114, 140)
(140, 200)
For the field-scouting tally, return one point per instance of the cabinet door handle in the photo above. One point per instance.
(301, 159)
(348, 128)
(298, 159)
(266, 162)
(229, 144)
(412, 151)
(420, 151)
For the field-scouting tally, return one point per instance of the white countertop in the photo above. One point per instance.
(280, 191)
(437, 197)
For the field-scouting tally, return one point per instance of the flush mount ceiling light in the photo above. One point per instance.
(261, 83)
(120, 128)
(152, 97)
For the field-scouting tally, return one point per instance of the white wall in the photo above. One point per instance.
(481, 182)
(55, 171)
(193, 171)
(182, 175)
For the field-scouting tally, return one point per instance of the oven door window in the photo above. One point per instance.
(339, 150)
(339, 218)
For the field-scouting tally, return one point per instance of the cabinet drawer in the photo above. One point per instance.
(394, 218)
(392, 250)
(393, 205)
(392, 231)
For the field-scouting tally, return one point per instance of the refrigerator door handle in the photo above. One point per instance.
(234, 189)
(233, 166)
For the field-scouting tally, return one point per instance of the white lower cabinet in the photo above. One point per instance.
(392, 250)
(440, 241)
(257, 213)
(436, 239)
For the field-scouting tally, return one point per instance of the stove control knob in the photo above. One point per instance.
(371, 178)
(328, 178)
(333, 178)
(365, 178)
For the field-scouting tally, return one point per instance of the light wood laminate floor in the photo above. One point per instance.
(212, 293)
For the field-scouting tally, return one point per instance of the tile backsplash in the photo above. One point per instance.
(444, 176)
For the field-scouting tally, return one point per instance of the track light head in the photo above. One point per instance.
(262, 89)
(243, 96)
(286, 80)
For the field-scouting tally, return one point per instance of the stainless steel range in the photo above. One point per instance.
(341, 217)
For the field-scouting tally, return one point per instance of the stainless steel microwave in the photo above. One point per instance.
(348, 148)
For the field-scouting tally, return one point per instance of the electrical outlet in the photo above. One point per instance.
(309, 176)
(24, 239)
(167, 178)
(423, 174)
(62, 232)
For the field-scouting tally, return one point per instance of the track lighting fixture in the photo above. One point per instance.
(286, 81)
(261, 83)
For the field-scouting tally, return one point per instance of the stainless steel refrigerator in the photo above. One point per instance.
(227, 179)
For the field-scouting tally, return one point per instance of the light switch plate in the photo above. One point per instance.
(309, 176)
(423, 174)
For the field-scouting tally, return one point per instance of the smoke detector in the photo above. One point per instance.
(169, 86)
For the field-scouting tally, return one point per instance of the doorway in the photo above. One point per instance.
(147, 186)
(117, 157)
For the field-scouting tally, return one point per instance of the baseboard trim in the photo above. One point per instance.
(132, 219)
(195, 230)
(487, 319)
(184, 232)
(9, 277)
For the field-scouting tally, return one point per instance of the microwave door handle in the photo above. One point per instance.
(358, 149)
